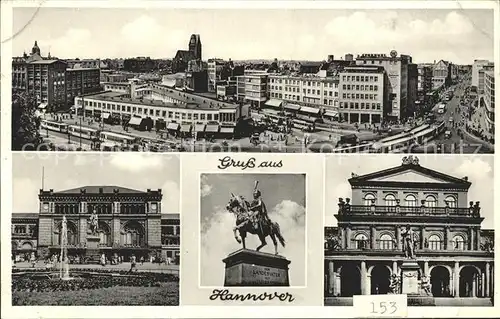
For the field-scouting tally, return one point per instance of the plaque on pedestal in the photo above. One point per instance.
(92, 252)
(248, 268)
(409, 278)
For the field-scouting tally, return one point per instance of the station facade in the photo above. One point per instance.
(130, 222)
(365, 249)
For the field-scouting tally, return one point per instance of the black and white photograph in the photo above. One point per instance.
(94, 231)
(418, 226)
(253, 230)
(176, 80)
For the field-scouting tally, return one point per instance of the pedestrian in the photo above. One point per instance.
(142, 260)
(133, 263)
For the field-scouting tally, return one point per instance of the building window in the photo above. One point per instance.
(458, 242)
(411, 200)
(390, 200)
(132, 235)
(369, 199)
(435, 242)
(386, 242)
(451, 201)
(430, 201)
(361, 241)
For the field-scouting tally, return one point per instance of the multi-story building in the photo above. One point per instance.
(82, 81)
(481, 77)
(84, 63)
(413, 107)
(313, 91)
(139, 65)
(19, 74)
(365, 249)
(129, 222)
(165, 107)
(24, 235)
(396, 84)
(252, 87)
(424, 85)
(361, 95)
(476, 67)
(47, 81)
(488, 102)
(441, 74)
(216, 73)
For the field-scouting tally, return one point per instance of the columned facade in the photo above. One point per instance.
(453, 254)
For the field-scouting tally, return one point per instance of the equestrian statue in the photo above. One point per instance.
(252, 218)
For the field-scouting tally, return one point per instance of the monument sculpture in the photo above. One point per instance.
(246, 267)
(64, 261)
(93, 239)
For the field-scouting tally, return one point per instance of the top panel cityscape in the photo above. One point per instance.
(403, 81)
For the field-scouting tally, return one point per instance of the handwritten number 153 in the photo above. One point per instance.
(384, 307)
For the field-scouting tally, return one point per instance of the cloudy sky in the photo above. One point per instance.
(479, 170)
(459, 36)
(284, 196)
(69, 170)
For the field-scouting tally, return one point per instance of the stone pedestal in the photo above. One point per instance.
(248, 268)
(92, 251)
(409, 278)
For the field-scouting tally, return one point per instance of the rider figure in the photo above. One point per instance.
(259, 208)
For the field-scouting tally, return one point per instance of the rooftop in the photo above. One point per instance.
(96, 189)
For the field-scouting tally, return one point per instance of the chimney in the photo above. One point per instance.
(330, 58)
(101, 190)
(159, 190)
(465, 178)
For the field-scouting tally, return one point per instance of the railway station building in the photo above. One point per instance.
(130, 222)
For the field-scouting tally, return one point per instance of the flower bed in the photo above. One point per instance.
(85, 279)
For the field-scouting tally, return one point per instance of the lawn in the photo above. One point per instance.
(166, 295)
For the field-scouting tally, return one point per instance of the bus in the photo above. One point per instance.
(83, 132)
(441, 108)
(54, 126)
(118, 140)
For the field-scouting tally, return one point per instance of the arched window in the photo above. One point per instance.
(361, 241)
(71, 234)
(411, 200)
(430, 201)
(390, 200)
(451, 201)
(435, 242)
(458, 242)
(386, 242)
(369, 198)
(132, 235)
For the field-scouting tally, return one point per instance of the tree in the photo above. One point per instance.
(25, 122)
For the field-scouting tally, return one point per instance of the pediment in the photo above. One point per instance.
(409, 176)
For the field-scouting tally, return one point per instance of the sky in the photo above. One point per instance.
(459, 36)
(284, 197)
(66, 170)
(478, 169)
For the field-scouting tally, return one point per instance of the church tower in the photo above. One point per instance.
(195, 46)
(35, 49)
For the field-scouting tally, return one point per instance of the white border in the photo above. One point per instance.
(190, 311)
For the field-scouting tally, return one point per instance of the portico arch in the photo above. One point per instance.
(469, 281)
(380, 279)
(350, 281)
(440, 281)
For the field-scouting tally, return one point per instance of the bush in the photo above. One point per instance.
(40, 281)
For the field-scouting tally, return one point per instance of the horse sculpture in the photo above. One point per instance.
(246, 222)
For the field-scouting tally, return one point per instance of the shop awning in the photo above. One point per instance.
(331, 113)
(227, 130)
(199, 127)
(311, 110)
(173, 126)
(135, 120)
(186, 128)
(105, 115)
(212, 128)
(274, 103)
(292, 107)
